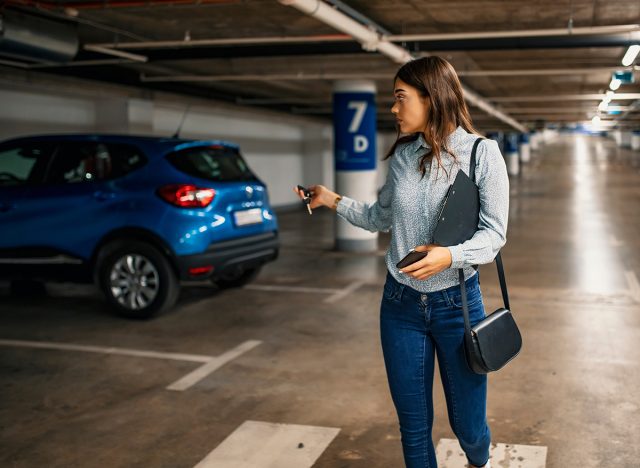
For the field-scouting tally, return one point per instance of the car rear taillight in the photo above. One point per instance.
(203, 270)
(187, 196)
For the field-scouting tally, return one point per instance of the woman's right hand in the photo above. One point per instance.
(320, 196)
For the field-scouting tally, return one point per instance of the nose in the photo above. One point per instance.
(394, 109)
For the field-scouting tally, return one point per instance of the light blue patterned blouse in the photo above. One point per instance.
(409, 206)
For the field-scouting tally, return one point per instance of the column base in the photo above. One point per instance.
(357, 245)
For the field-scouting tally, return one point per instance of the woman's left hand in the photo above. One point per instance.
(438, 259)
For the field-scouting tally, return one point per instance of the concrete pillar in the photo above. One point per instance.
(548, 135)
(525, 155)
(624, 140)
(535, 141)
(635, 140)
(616, 136)
(354, 117)
(511, 154)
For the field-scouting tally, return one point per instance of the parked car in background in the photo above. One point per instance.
(135, 215)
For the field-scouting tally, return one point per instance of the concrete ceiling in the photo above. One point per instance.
(545, 77)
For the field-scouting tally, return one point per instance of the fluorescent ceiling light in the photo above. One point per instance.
(630, 56)
(615, 84)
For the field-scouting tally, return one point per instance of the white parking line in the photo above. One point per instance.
(270, 287)
(450, 455)
(214, 363)
(268, 445)
(634, 285)
(344, 292)
(106, 350)
(210, 363)
(335, 294)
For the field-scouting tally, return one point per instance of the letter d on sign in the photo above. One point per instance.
(360, 144)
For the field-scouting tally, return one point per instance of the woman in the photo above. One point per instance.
(421, 310)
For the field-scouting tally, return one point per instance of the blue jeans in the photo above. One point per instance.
(414, 328)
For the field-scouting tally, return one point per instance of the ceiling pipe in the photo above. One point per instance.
(565, 97)
(548, 114)
(116, 53)
(107, 4)
(262, 77)
(25, 36)
(545, 72)
(563, 110)
(303, 76)
(522, 33)
(631, 109)
(229, 42)
(82, 63)
(382, 99)
(371, 41)
(584, 31)
(355, 14)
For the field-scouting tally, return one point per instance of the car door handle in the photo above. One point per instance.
(101, 195)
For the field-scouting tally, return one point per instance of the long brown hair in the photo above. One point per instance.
(435, 79)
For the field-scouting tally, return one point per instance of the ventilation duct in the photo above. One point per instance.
(35, 38)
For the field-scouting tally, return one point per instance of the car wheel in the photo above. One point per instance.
(137, 279)
(238, 278)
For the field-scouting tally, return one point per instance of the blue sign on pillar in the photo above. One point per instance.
(511, 143)
(354, 117)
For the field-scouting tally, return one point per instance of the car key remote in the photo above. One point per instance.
(307, 197)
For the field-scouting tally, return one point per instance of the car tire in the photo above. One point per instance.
(136, 279)
(238, 278)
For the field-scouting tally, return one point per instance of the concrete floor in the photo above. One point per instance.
(572, 263)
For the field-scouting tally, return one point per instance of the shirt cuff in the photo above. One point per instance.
(457, 256)
(343, 205)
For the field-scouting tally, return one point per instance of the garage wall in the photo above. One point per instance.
(284, 150)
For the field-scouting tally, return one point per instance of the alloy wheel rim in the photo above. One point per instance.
(134, 281)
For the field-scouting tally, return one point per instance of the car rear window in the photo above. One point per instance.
(211, 163)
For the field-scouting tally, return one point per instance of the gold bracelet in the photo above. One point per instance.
(335, 203)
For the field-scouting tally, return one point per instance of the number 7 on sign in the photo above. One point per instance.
(360, 107)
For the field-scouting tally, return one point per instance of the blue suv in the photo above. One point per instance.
(135, 215)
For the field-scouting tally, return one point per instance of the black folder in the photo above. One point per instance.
(460, 213)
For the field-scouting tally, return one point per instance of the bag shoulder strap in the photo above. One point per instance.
(472, 170)
(498, 259)
(503, 282)
(503, 288)
(472, 162)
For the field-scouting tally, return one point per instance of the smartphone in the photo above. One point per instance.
(411, 257)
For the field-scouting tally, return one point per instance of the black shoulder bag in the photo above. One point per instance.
(496, 340)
